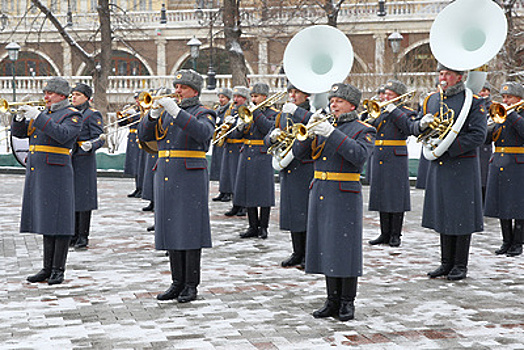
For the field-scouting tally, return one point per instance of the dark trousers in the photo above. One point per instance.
(82, 223)
(391, 224)
(256, 221)
(185, 266)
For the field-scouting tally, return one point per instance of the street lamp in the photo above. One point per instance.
(194, 49)
(12, 50)
(395, 39)
(381, 8)
(163, 15)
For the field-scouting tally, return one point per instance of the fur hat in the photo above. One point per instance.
(291, 86)
(84, 89)
(260, 88)
(58, 85)
(440, 67)
(226, 92)
(190, 78)
(346, 92)
(512, 88)
(487, 86)
(396, 86)
(381, 89)
(241, 91)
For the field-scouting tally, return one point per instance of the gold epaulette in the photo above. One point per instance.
(73, 109)
(364, 123)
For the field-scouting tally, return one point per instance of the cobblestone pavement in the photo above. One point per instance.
(246, 300)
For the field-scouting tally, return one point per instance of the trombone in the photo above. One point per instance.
(374, 108)
(146, 100)
(498, 112)
(6, 106)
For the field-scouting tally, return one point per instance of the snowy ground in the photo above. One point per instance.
(246, 300)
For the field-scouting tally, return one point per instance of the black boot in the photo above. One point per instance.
(84, 222)
(150, 228)
(506, 227)
(150, 207)
(447, 251)
(192, 275)
(296, 257)
(332, 305)
(73, 239)
(219, 197)
(59, 260)
(264, 222)
(460, 267)
(227, 197)
(176, 263)
(518, 236)
(134, 193)
(241, 212)
(347, 299)
(385, 228)
(252, 217)
(49, 248)
(396, 229)
(233, 211)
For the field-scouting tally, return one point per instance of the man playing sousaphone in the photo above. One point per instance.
(453, 198)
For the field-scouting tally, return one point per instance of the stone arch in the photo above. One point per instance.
(82, 66)
(47, 58)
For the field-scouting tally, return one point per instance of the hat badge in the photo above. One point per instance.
(334, 88)
(179, 76)
(505, 88)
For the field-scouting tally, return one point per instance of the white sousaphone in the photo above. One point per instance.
(315, 58)
(465, 36)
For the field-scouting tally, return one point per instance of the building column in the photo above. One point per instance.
(262, 56)
(68, 61)
(380, 50)
(161, 62)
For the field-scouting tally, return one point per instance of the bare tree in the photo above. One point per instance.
(332, 8)
(232, 33)
(510, 54)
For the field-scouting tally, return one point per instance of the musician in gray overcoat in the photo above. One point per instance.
(504, 199)
(294, 178)
(255, 180)
(132, 148)
(232, 145)
(183, 130)
(334, 230)
(49, 202)
(224, 102)
(84, 163)
(389, 186)
(453, 198)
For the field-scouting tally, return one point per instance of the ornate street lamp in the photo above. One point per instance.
(194, 49)
(12, 50)
(394, 40)
(381, 8)
(163, 15)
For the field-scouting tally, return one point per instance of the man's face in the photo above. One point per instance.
(52, 98)
(484, 93)
(239, 100)
(297, 96)
(382, 96)
(389, 95)
(257, 98)
(510, 99)
(448, 79)
(223, 99)
(185, 91)
(340, 106)
(78, 98)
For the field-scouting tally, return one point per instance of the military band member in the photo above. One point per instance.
(132, 148)
(49, 203)
(486, 149)
(84, 163)
(295, 178)
(389, 190)
(380, 97)
(183, 131)
(504, 199)
(334, 230)
(224, 102)
(255, 184)
(453, 198)
(232, 145)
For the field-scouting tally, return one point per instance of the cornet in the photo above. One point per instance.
(374, 108)
(6, 106)
(146, 100)
(498, 112)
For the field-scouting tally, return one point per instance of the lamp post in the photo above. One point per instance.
(208, 19)
(394, 40)
(194, 49)
(381, 8)
(12, 50)
(163, 15)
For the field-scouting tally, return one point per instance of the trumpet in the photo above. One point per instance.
(498, 112)
(126, 112)
(146, 100)
(6, 106)
(374, 108)
(246, 113)
(227, 128)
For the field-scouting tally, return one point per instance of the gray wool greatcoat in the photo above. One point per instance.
(334, 230)
(230, 154)
(84, 163)
(181, 184)
(294, 179)
(149, 175)
(217, 152)
(255, 180)
(485, 152)
(389, 185)
(505, 186)
(132, 149)
(48, 206)
(453, 198)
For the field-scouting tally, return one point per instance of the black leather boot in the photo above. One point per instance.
(233, 211)
(134, 193)
(460, 267)
(219, 197)
(150, 228)
(296, 257)
(227, 197)
(396, 229)
(385, 228)
(347, 298)
(150, 207)
(49, 248)
(176, 264)
(84, 222)
(264, 222)
(506, 226)
(332, 305)
(518, 236)
(241, 212)
(252, 217)
(192, 275)
(447, 251)
(59, 260)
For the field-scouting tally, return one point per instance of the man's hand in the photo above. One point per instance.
(390, 107)
(323, 129)
(289, 108)
(169, 105)
(29, 112)
(86, 146)
(275, 134)
(425, 121)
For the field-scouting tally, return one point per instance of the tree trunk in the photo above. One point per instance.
(100, 76)
(232, 33)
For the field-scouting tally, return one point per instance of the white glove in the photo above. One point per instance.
(240, 124)
(169, 105)
(390, 107)
(86, 146)
(323, 129)
(30, 112)
(289, 108)
(155, 113)
(424, 122)
(229, 119)
(273, 136)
